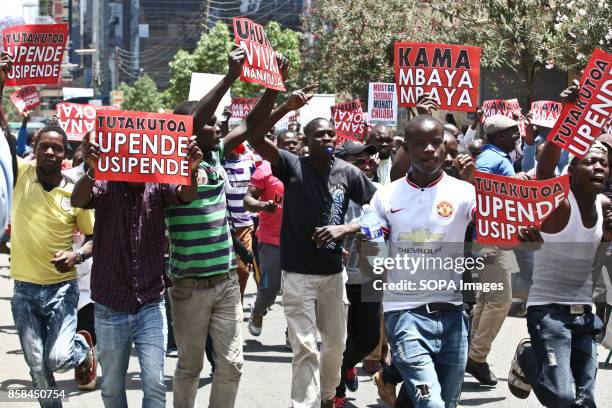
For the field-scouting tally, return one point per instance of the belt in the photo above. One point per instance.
(202, 282)
(438, 307)
(569, 309)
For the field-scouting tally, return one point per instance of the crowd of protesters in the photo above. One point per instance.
(101, 266)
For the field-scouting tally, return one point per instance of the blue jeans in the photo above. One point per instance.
(46, 319)
(430, 351)
(561, 363)
(116, 331)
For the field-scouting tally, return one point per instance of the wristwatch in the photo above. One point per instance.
(81, 257)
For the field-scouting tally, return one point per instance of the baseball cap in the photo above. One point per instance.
(351, 147)
(498, 123)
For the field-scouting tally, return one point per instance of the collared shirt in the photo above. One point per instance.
(129, 244)
(495, 161)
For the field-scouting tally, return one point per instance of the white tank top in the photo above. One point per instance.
(563, 267)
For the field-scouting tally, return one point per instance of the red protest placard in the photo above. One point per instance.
(349, 121)
(143, 147)
(545, 113)
(27, 98)
(581, 122)
(260, 66)
(77, 119)
(241, 107)
(504, 107)
(38, 50)
(450, 73)
(506, 204)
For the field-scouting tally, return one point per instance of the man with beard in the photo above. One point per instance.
(381, 138)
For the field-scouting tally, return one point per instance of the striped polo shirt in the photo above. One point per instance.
(200, 238)
(239, 172)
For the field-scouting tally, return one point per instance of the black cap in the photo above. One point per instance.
(351, 147)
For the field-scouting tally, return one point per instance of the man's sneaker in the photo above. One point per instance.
(339, 402)
(350, 379)
(481, 372)
(85, 374)
(255, 323)
(517, 383)
(386, 392)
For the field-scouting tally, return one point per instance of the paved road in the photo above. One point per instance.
(267, 370)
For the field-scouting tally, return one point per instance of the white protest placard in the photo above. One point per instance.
(382, 104)
(202, 83)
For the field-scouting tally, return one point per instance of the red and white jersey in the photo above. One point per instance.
(427, 222)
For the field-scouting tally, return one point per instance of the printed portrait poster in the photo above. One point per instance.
(38, 50)
(504, 205)
(26, 98)
(349, 121)
(143, 147)
(260, 66)
(450, 73)
(77, 119)
(241, 107)
(545, 113)
(583, 121)
(382, 103)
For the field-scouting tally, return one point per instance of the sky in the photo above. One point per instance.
(12, 8)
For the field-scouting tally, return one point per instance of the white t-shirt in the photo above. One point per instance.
(424, 223)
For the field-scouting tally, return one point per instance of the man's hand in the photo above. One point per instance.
(283, 66)
(464, 163)
(227, 113)
(91, 150)
(268, 206)
(529, 135)
(522, 176)
(607, 225)
(570, 95)
(6, 62)
(324, 235)
(532, 237)
(426, 104)
(64, 261)
(300, 97)
(235, 60)
(194, 154)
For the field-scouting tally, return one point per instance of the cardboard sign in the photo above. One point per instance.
(382, 103)
(27, 98)
(76, 119)
(504, 107)
(580, 123)
(241, 107)
(504, 205)
(143, 147)
(349, 121)
(260, 66)
(38, 50)
(201, 84)
(545, 113)
(450, 73)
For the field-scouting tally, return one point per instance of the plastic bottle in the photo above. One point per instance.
(370, 225)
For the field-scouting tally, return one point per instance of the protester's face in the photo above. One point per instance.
(50, 152)
(475, 148)
(210, 135)
(293, 126)
(425, 142)
(303, 152)
(289, 142)
(77, 158)
(451, 150)
(271, 134)
(507, 139)
(591, 172)
(364, 162)
(382, 139)
(322, 140)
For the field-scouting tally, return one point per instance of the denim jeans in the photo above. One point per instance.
(561, 363)
(430, 351)
(46, 319)
(116, 331)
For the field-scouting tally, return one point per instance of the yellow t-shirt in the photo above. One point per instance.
(42, 223)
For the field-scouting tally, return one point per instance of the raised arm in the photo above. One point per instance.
(206, 107)
(83, 189)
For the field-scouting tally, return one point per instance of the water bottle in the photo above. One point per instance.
(370, 225)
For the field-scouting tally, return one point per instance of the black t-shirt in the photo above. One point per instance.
(311, 200)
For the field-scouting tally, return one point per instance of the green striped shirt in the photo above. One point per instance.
(200, 238)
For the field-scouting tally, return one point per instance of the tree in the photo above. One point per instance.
(210, 56)
(142, 96)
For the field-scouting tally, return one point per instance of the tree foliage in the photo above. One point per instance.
(210, 56)
(141, 96)
(351, 41)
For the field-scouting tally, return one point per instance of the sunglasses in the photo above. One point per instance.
(364, 162)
